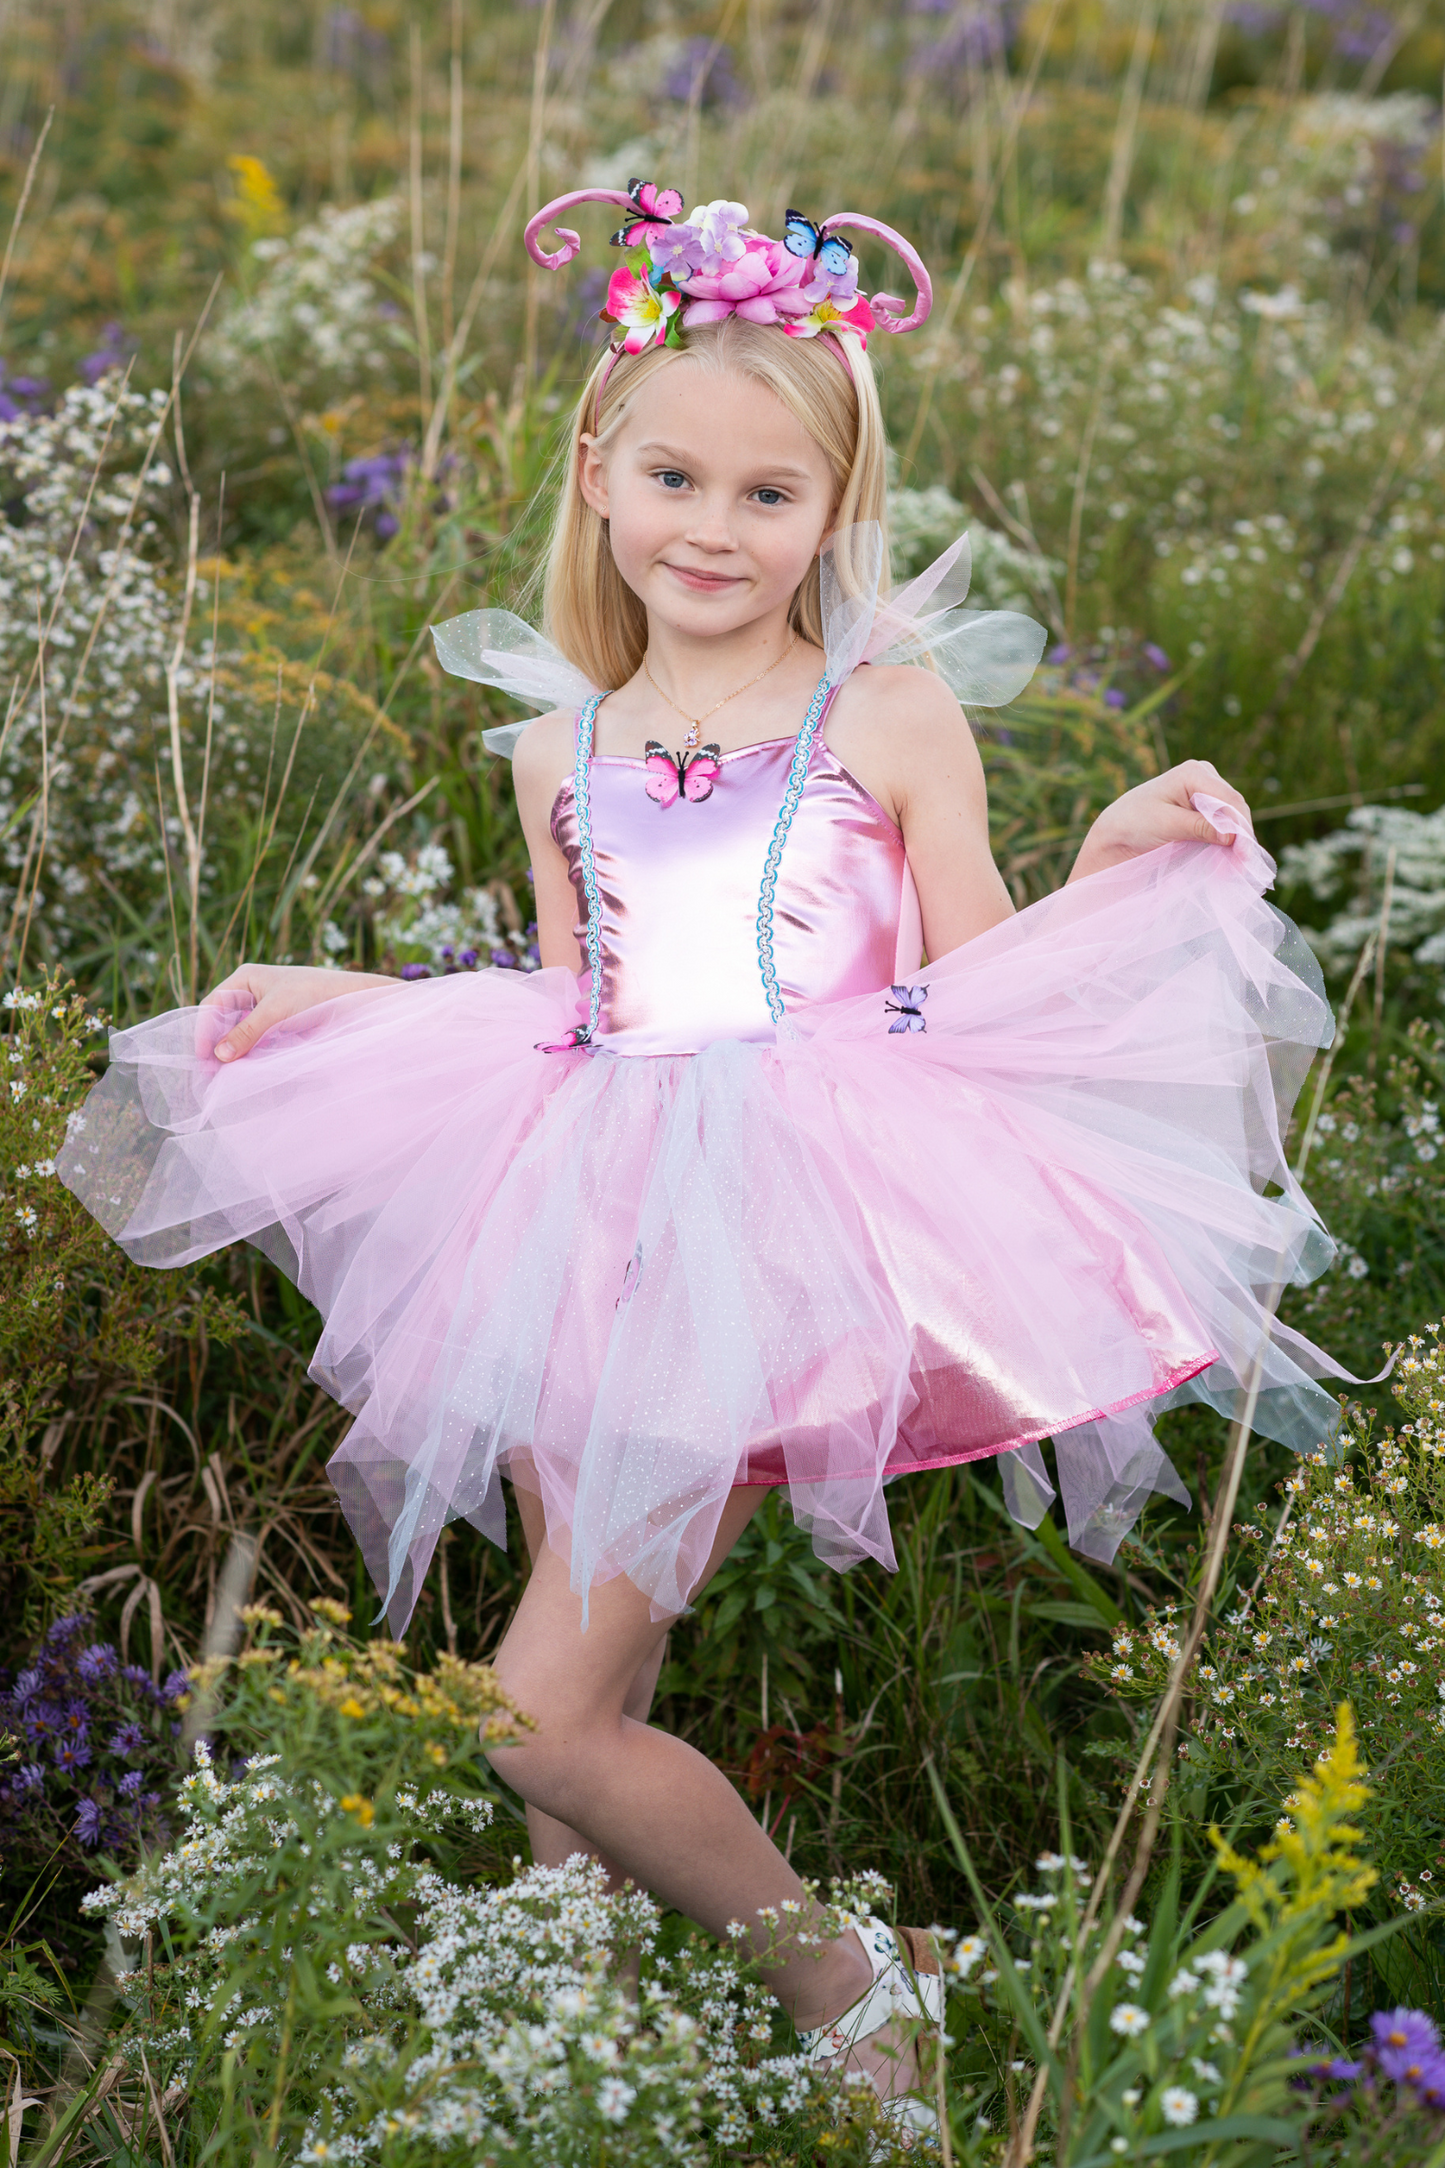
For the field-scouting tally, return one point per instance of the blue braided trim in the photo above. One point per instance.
(582, 799)
(797, 776)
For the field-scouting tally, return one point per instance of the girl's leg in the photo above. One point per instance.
(552, 1841)
(650, 1806)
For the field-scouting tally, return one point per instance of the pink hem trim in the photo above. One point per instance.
(1178, 1376)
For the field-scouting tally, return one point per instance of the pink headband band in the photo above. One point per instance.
(678, 275)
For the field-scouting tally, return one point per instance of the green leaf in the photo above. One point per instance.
(1067, 1614)
(1093, 1592)
(1271, 2128)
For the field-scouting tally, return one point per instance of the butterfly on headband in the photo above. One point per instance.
(802, 238)
(659, 208)
(907, 1007)
(693, 774)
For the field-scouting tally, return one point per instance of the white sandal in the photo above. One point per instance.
(907, 1983)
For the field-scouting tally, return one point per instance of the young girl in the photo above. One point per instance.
(735, 1191)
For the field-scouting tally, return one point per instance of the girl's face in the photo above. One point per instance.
(717, 498)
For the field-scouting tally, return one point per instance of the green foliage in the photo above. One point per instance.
(1377, 1178)
(1340, 1595)
(1168, 2039)
(320, 1979)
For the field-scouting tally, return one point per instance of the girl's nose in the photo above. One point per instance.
(711, 528)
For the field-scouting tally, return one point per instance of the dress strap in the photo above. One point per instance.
(582, 800)
(797, 776)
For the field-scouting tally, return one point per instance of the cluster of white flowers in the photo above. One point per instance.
(1194, 2011)
(1180, 394)
(414, 913)
(1372, 836)
(524, 2024)
(317, 312)
(922, 523)
(85, 565)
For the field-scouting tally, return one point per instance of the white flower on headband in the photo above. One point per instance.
(719, 229)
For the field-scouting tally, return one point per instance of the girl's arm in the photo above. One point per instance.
(900, 733)
(541, 760)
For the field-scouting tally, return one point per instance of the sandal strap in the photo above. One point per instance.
(907, 1983)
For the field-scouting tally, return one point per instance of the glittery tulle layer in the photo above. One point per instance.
(635, 1282)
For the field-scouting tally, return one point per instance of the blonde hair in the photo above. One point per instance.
(588, 609)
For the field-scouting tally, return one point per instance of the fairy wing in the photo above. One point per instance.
(986, 656)
(492, 647)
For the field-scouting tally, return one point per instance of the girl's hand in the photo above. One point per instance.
(1156, 812)
(279, 991)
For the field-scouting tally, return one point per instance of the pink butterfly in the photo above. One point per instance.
(659, 207)
(691, 773)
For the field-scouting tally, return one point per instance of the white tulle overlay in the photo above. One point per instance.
(633, 1283)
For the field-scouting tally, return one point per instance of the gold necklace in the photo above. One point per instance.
(695, 722)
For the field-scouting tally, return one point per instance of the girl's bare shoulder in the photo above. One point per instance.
(544, 753)
(910, 711)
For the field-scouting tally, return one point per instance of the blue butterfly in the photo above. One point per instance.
(802, 238)
(907, 1006)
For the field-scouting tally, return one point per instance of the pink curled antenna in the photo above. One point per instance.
(883, 305)
(571, 242)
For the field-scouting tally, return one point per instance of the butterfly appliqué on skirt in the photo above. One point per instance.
(690, 775)
(906, 1007)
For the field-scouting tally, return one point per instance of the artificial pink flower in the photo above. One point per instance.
(826, 316)
(637, 303)
(762, 287)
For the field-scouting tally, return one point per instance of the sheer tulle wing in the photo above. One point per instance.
(986, 656)
(492, 647)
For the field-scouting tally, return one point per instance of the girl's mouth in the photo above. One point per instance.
(703, 583)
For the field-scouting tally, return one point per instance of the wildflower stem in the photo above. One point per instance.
(1157, 1754)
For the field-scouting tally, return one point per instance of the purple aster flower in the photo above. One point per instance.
(76, 1721)
(137, 1676)
(130, 1739)
(27, 1684)
(63, 1632)
(1430, 2085)
(30, 1777)
(1113, 698)
(415, 971)
(703, 73)
(130, 1783)
(468, 959)
(174, 1684)
(88, 1819)
(112, 353)
(96, 1663)
(1157, 656)
(42, 1721)
(1405, 2042)
(1060, 653)
(503, 959)
(72, 1753)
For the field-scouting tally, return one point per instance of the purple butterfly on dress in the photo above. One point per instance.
(691, 774)
(907, 1007)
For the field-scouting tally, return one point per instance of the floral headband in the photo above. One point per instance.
(678, 273)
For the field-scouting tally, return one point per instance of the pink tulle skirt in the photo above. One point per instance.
(634, 1283)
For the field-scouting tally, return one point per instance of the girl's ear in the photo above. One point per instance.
(592, 476)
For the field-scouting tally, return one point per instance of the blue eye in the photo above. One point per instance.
(771, 496)
(671, 479)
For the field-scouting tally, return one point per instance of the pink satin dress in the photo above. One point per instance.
(679, 892)
(871, 1218)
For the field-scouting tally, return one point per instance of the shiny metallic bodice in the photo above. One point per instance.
(679, 886)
